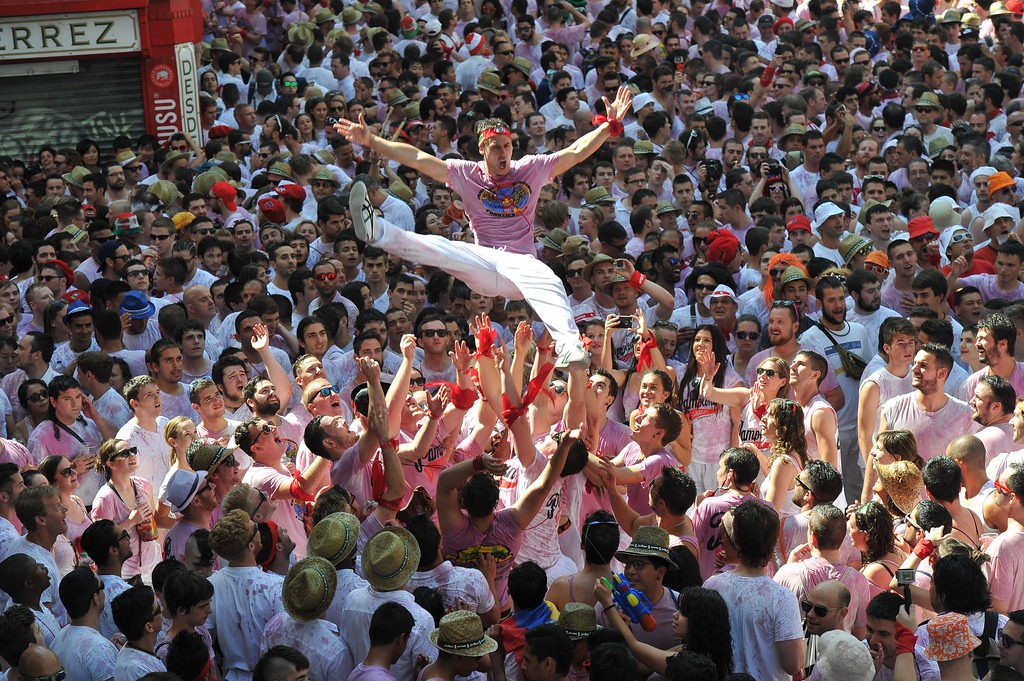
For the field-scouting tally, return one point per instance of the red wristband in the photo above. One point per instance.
(637, 280)
(924, 548)
(614, 127)
(394, 443)
(296, 491)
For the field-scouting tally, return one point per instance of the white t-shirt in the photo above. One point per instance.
(85, 653)
(761, 613)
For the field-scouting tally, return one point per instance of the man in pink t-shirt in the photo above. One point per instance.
(1007, 550)
(737, 470)
(500, 197)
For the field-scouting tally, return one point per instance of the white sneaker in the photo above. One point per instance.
(364, 219)
(571, 355)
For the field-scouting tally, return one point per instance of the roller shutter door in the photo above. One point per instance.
(102, 100)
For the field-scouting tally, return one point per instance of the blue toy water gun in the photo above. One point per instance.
(632, 602)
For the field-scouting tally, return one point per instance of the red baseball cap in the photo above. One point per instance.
(272, 209)
(798, 222)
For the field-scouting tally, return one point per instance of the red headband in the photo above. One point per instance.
(494, 132)
(272, 554)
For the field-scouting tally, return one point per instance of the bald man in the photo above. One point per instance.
(38, 661)
(976, 486)
(832, 598)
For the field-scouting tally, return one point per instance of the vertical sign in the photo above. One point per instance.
(188, 90)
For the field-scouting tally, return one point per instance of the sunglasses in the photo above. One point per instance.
(59, 676)
(819, 610)
(137, 273)
(327, 392)
(263, 500)
(159, 237)
(574, 273)
(265, 428)
(126, 453)
(418, 381)
(637, 564)
(770, 373)
(38, 397)
(290, 83)
(48, 277)
(1002, 488)
(327, 276)
(202, 232)
(957, 238)
(558, 389)
(747, 335)
(431, 333)
(877, 128)
(7, 320)
(1007, 641)
(67, 472)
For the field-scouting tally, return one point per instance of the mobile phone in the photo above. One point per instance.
(904, 577)
(624, 322)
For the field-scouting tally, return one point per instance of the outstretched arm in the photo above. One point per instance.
(582, 148)
(405, 154)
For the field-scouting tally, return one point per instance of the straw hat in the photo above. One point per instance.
(309, 588)
(599, 258)
(206, 457)
(334, 538)
(579, 620)
(648, 542)
(77, 176)
(950, 637)
(462, 633)
(599, 194)
(390, 558)
(793, 273)
(853, 245)
(902, 481)
(554, 239)
(642, 44)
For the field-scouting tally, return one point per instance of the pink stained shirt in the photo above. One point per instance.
(934, 430)
(501, 209)
(1007, 568)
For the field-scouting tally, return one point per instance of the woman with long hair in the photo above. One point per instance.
(316, 108)
(771, 381)
(127, 500)
(715, 426)
(702, 622)
(90, 152)
(35, 401)
(787, 447)
(62, 474)
(896, 445)
(871, 531)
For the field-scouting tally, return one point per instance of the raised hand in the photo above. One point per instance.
(369, 368)
(436, 403)
(461, 357)
(260, 337)
(622, 105)
(408, 346)
(523, 337)
(356, 132)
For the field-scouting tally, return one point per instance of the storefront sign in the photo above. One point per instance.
(69, 35)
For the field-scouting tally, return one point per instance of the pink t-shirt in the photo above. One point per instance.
(934, 430)
(268, 481)
(501, 209)
(706, 521)
(1007, 568)
(650, 466)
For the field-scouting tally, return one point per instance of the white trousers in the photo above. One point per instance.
(490, 272)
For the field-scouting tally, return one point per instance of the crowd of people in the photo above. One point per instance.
(540, 340)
